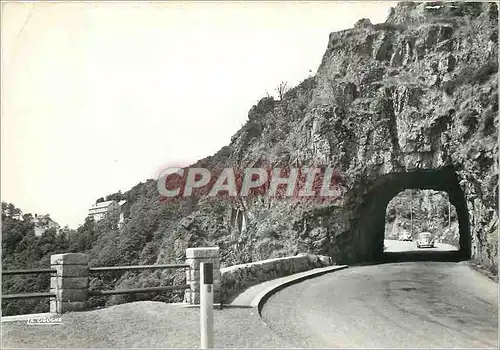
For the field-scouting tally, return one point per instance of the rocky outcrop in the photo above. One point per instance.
(409, 103)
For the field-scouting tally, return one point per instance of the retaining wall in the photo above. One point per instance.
(235, 279)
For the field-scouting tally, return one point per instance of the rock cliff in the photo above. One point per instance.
(406, 104)
(409, 103)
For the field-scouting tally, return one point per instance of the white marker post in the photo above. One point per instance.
(207, 305)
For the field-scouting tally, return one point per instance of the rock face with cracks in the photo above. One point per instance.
(409, 103)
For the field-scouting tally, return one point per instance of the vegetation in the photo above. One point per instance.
(415, 211)
(22, 249)
(282, 89)
(137, 242)
(277, 132)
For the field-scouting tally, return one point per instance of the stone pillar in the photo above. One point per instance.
(195, 256)
(71, 282)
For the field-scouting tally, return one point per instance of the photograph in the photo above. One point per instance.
(249, 174)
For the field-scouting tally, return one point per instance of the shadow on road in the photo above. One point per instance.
(454, 256)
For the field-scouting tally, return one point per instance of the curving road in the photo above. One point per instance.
(412, 304)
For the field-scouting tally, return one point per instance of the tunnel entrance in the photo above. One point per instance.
(371, 223)
(414, 212)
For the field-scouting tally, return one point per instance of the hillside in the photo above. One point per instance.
(27, 242)
(418, 92)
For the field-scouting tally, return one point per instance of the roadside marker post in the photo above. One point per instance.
(207, 305)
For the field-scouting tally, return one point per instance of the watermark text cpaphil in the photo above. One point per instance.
(284, 182)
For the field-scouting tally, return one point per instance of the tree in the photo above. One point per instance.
(47, 242)
(118, 196)
(28, 218)
(10, 210)
(4, 209)
(282, 89)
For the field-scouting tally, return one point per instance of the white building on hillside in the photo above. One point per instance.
(98, 210)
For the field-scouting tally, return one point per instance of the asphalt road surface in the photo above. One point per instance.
(411, 304)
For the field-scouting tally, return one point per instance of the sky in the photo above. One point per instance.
(97, 97)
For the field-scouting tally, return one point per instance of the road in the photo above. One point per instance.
(411, 304)
(397, 246)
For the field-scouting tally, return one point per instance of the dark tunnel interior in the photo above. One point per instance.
(371, 226)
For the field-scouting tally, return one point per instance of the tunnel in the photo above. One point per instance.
(370, 225)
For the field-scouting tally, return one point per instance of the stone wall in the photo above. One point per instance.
(235, 279)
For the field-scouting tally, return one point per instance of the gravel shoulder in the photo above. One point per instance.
(144, 324)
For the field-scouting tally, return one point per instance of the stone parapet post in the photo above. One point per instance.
(71, 283)
(195, 256)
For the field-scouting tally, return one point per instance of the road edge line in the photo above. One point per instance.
(264, 297)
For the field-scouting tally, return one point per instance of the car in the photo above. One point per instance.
(425, 240)
(405, 237)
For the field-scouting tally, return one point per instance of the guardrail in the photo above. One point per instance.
(137, 267)
(69, 281)
(138, 290)
(29, 271)
(98, 292)
(28, 295)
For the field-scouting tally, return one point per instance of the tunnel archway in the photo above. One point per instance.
(413, 211)
(370, 229)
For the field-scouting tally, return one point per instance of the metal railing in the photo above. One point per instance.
(29, 271)
(97, 270)
(28, 295)
(138, 290)
(137, 267)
